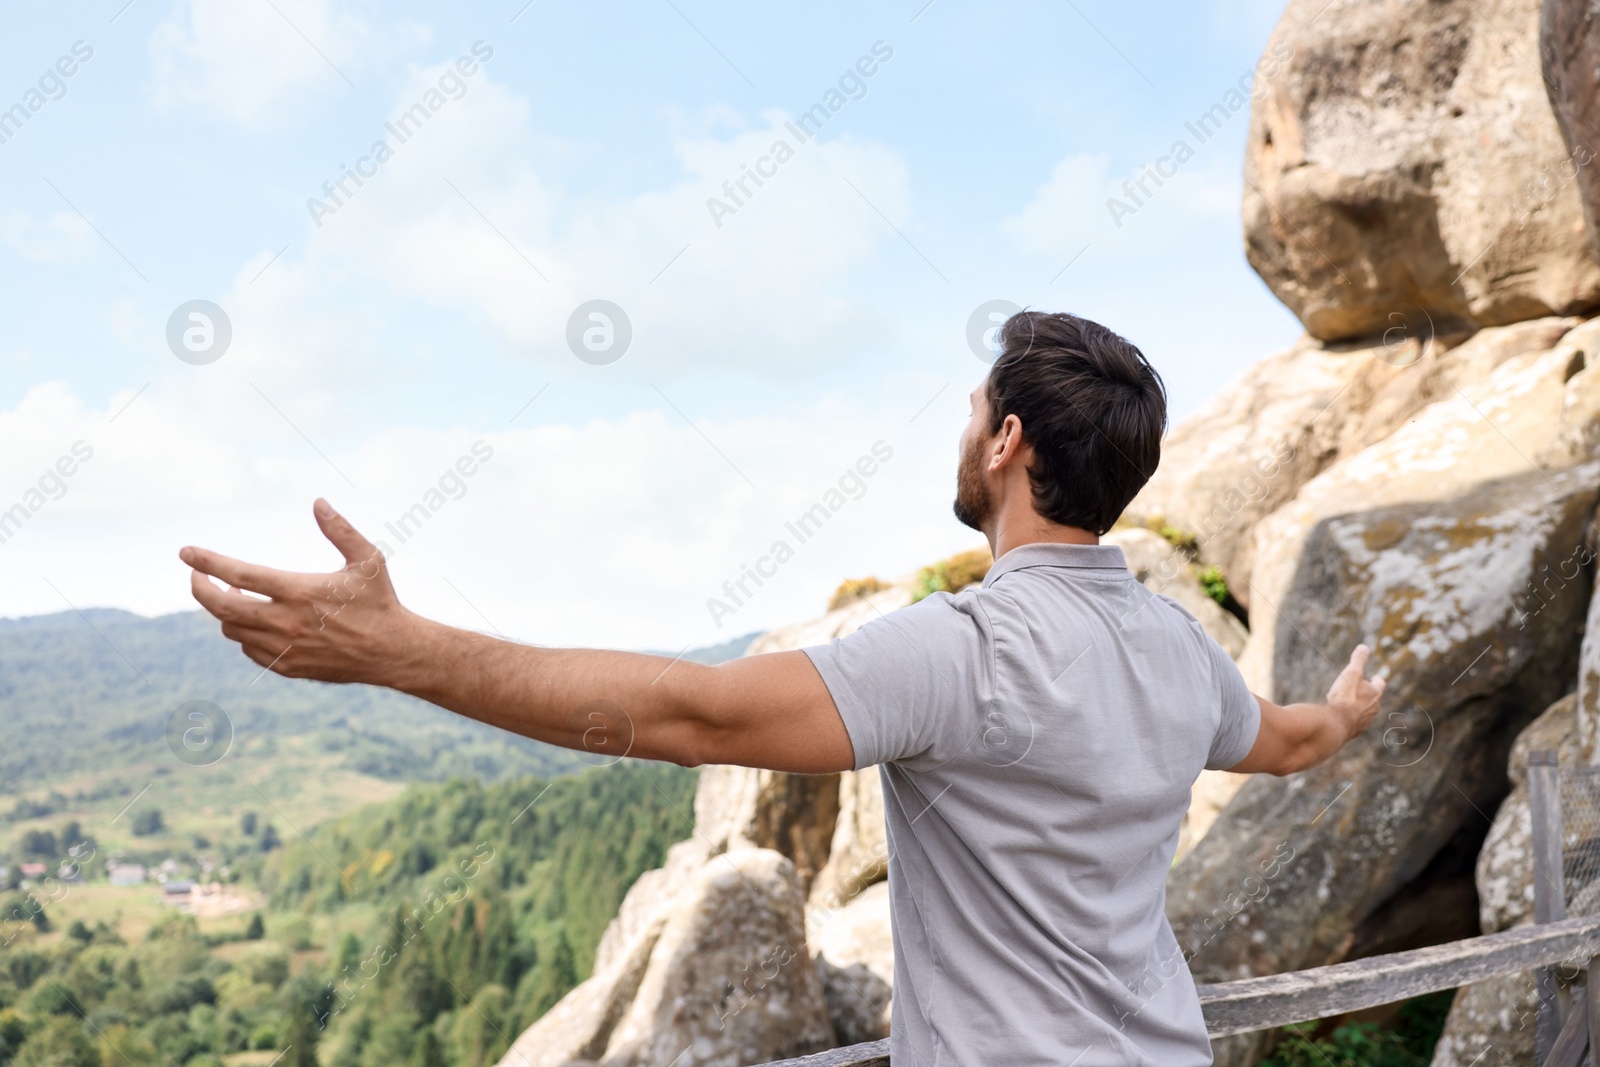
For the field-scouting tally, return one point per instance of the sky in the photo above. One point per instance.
(579, 288)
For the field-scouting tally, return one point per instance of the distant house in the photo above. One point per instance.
(178, 888)
(33, 870)
(127, 873)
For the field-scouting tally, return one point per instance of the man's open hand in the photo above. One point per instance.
(1353, 696)
(338, 627)
(1296, 737)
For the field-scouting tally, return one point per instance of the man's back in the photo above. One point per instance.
(1038, 739)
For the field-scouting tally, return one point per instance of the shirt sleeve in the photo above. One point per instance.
(1241, 715)
(901, 680)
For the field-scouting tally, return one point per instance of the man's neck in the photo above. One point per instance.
(1013, 530)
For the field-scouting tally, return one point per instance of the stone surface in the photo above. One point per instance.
(1164, 569)
(1436, 588)
(1485, 430)
(859, 854)
(1404, 167)
(845, 620)
(1569, 53)
(1250, 449)
(1578, 436)
(648, 900)
(580, 1025)
(854, 951)
(1490, 1025)
(1246, 451)
(739, 813)
(729, 981)
(794, 814)
(1210, 794)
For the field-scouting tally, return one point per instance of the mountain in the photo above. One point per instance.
(101, 688)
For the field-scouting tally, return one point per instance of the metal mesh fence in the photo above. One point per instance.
(1580, 839)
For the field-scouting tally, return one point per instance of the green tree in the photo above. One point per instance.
(429, 1053)
(304, 1008)
(60, 1042)
(257, 928)
(13, 1032)
(147, 822)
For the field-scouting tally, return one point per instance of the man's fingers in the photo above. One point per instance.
(1380, 684)
(229, 605)
(1358, 659)
(258, 655)
(237, 573)
(248, 637)
(336, 528)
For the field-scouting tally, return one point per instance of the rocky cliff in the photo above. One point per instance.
(1420, 472)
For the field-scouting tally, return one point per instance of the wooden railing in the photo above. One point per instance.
(1301, 996)
(1561, 1037)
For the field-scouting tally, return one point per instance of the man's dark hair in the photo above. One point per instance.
(1091, 406)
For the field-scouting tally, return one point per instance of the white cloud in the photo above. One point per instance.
(62, 238)
(249, 62)
(463, 216)
(1073, 207)
(447, 221)
(611, 531)
(608, 530)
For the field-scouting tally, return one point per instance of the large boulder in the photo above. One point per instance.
(1250, 449)
(580, 1026)
(1295, 866)
(1392, 172)
(707, 965)
(1487, 429)
(729, 981)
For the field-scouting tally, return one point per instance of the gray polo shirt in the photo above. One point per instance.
(1038, 737)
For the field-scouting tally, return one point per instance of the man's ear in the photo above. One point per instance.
(1008, 445)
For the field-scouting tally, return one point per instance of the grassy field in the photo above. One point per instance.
(287, 782)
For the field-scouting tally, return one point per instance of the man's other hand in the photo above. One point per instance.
(1299, 736)
(1353, 696)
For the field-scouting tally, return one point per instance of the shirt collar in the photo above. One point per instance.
(1082, 557)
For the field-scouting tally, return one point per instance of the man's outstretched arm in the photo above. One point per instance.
(771, 711)
(1298, 736)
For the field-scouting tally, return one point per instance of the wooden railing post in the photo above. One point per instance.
(1549, 885)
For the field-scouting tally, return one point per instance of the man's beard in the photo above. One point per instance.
(973, 503)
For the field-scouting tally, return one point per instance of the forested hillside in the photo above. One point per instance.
(97, 690)
(429, 929)
(379, 881)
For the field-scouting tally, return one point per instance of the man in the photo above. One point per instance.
(1037, 736)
